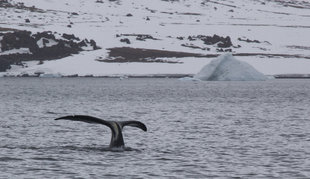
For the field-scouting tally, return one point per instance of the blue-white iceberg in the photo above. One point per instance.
(228, 68)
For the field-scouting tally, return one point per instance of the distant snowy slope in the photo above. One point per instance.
(270, 35)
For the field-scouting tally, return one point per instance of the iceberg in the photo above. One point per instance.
(228, 68)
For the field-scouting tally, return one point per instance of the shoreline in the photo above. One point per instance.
(278, 76)
(104, 76)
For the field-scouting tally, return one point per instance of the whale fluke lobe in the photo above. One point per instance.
(83, 118)
(115, 126)
(137, 124)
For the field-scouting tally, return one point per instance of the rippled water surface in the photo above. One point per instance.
(195, 129)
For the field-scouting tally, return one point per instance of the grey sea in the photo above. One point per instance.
(195, 129)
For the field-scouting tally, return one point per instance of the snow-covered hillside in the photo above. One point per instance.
(273, 36)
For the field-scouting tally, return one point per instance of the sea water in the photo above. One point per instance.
(195, 129)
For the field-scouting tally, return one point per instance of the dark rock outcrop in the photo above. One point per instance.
(70, 37)
(127, 54)
(222, 42)
(18, 5)
(4, 64)
(140, 37)
(42, 46)
(16, 40)
(125, 40)
(248, 40)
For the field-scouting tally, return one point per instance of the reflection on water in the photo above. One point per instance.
(195, 129)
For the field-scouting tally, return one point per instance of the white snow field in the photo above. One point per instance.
(272, 36)
(228, 68)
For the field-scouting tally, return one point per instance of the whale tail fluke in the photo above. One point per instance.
(115, 126)
(137, 124)
(90, 119)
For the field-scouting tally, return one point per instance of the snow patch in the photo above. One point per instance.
(16, 51)
(44, 42)
(88, 48)
(228, 68)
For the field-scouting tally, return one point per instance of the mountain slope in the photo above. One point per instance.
(273, 36)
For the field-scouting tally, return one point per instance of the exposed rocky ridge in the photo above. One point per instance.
(40, 46)
(128, 54)
(222, 42)
(19, 5)
(141, 37)
(292, 3)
